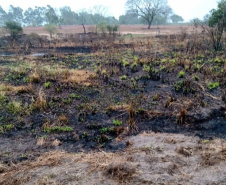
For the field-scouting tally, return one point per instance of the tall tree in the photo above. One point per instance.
(15, 14)
(51, 15)
(218, 16)
(166, 14)
(39, 14)
(129, 18)
(176, 18)
(147, 9)
(34, 17)
(68, 16)
(97, 14)
(3, 16)
(29, 18)
(83, 18)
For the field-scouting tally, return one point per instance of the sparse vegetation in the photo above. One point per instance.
(91, 91)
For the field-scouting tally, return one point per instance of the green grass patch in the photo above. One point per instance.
(58, 129)
(212, 86)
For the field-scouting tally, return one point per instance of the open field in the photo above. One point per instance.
(123, 29)
(143, 107)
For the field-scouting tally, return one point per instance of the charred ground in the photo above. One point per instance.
(88, 92)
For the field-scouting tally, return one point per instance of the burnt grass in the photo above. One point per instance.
(156, 84)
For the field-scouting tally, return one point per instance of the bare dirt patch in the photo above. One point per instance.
(149, 159)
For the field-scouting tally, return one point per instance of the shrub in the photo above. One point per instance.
(181, 74)
(51, 29)
(47, 85)
(13, 28)
(112, 29)
(102, 27)
(14, 107)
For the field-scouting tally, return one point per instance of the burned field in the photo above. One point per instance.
(85, 93)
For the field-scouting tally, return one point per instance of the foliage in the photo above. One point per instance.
(212, 86)
(181, 74)
(58, 129)
(176, 18)
(112, 29)
(102, 27)
(51, 29)
(147, 9)
(117, 122)
(215, 24)
(219, 15)
(13, 28)
(14, 107)
(51, 16)
(47, 85)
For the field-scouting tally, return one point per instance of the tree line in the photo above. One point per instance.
(39, 16)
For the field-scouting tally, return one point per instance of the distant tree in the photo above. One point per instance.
(3, 16)
(39, 14)
(15, 14)
(129, 18)
(68, 16)
(147, 9)
(13, 28)
(34, 17)
(111, 20)
(166, 14)
(29, 18)
(51, 29)
(112, 29)
(97, 15)
(83, 18)
(176, 18)
(102, 27)
(51, 16)
(159, 20)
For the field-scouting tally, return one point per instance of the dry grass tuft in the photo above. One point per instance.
(41, 141)
(56, 142)
(211, 158)
(16, 89)
(24, 89)
(79, 77)
(63, 120)
(34, 77)
(184, 151)
(41, 103)
(121, 171)
(131, 122)
(181, 116)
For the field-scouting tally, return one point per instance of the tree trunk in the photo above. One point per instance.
(149, 26)
(84, 28)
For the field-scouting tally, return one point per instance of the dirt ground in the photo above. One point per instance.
(123, 29)
(154, 158)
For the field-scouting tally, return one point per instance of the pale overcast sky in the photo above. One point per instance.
(188, 9)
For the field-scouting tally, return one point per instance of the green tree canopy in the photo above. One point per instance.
(176, 18)
(218, 15)
(13, 28)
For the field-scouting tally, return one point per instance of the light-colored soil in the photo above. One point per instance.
(123, 29)
(148, 159)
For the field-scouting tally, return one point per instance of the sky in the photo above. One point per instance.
(188, 9)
